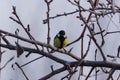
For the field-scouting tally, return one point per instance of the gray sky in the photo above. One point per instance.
(33, 12)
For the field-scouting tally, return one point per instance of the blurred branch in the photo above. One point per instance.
(19, 21)
(12, 47)
(22, 71)
(111, 73)
(60, 15)
(6, 63)
(31, 61)
(118, 77)
(0, 53)
(41, 44)
(95, 11)
(89, 73)
(72, 64)
(4, 39)
(48, 2)
(118, 53)
(27, 30)
(112, 32)
(97, 64)
(86, 63)
(100, 28)
(53, 73)
(89, 29)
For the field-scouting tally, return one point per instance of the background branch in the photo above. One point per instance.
(88, 26)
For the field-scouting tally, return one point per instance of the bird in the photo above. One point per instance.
(60, 40)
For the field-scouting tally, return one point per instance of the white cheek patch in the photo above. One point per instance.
(65, 36)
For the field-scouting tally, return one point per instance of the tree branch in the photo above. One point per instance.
(53, 73)
(72, 64)
(41, 44)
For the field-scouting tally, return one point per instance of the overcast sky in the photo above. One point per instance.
(33, 12)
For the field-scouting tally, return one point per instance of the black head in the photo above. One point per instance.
(62, 32)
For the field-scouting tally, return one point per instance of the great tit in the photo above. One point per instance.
(60, 40)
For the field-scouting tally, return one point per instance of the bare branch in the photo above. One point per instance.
(89, 73)
(41, 44)
(88, 27)
(7, 63)
(53, 73)
(111, 73)
(48, 21)
(92, 36)
(22, 71)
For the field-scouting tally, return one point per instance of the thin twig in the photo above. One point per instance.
(112, 32)
(89, 73)
(31, 61)
(53, 73)
(6, 63)
(22, 71)
(41, 44)
(111, 73)
(118, 77)
(92, 36)
(48, 21)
